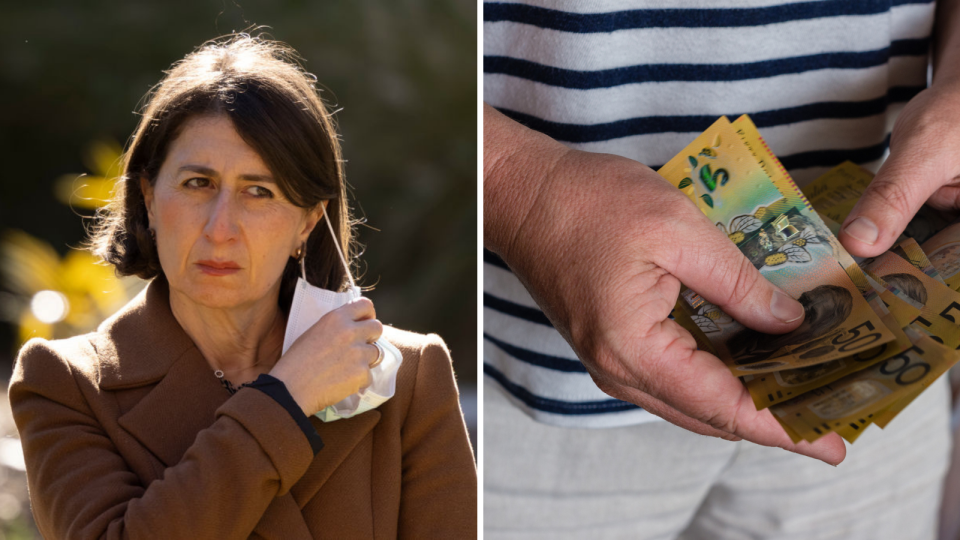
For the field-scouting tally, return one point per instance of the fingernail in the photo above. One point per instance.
(785, 308)
(863, 230)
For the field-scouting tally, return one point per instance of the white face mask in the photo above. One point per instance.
(309, 304)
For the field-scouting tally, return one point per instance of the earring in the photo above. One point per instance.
(298, 254)
(153, 233)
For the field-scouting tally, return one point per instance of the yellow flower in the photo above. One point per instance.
(54, 296)
(105, 160)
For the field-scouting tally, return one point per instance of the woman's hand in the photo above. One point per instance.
(331, 360)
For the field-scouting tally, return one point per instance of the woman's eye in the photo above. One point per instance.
(197, 182)
(260, 192)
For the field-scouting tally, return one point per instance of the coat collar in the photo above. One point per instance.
(143, 344)
(146, 335)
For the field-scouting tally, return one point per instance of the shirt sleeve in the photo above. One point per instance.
(82, 488)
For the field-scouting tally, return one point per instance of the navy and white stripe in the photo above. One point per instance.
(823, 80)
(528, 358)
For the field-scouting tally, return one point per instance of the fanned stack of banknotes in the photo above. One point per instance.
(877, 332)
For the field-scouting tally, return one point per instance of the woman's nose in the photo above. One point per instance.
(221, 223)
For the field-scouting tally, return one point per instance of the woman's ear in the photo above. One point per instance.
(314, 215)
(147, 189)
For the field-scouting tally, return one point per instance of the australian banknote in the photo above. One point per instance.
(943, 249)
(836, 192)
(940, 316)
(788, 244)
(896, 305)
(853, 401)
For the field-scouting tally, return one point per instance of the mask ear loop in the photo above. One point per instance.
(336, 244)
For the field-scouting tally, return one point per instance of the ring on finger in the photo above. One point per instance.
(379, 359)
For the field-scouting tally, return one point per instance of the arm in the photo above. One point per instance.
(439, 493)
(602, 243)
(946, 41)
(81, 487)
(923, 165)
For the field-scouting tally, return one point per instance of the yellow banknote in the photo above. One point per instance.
(778, 175)
(903, 311)
(852, 431)
(768, 389)
(772, 388)
(940, 316)
(855, 399)
(943, 249)
(682, 318)
(910, 251)
(884, 417)
(789, 430)
(788, 243)
(836, 192)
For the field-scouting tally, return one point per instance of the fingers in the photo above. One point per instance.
(695, 391)
(369, 330)
(358, 319)
(359, 310)
(888, 204)
(707, 261)
(757, 427)
(922, 164)
(378, 354)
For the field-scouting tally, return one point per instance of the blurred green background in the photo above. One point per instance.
(403, 73)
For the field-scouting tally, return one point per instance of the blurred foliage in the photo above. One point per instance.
(105, 159)
(403, 73)
(54, 298)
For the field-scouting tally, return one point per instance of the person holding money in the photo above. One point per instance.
(586, 253)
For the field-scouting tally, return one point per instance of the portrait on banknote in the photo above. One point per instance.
(825, 307)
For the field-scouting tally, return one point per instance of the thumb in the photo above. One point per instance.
(720, 273)
(905, 181)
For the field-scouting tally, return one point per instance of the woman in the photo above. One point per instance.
(179, 417)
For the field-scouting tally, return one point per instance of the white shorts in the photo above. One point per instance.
(657, 481)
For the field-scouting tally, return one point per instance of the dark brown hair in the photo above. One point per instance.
(274, 105)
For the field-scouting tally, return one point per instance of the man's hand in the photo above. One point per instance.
(923, 167)
(602, 243)
(924, 164)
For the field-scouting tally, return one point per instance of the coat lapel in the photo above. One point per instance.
(339, 439)
(143, 344)
(182, 403)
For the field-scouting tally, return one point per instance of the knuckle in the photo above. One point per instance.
(740, 279)
(946, 198)
(608, 389)
(334, 319)
(894, 195)
(724, 421)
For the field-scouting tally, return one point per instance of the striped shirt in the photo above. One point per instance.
(823, 81)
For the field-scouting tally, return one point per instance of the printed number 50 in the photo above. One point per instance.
(856, 340)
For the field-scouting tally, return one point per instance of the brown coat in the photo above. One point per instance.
(127, 434)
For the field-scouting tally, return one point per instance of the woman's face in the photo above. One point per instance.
(224, 230)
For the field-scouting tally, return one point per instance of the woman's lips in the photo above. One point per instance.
(215, 268)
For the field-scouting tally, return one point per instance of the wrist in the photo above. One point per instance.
(946, 77)
(290, 383)
(946, 42)
(277, 389)
(516, 164)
